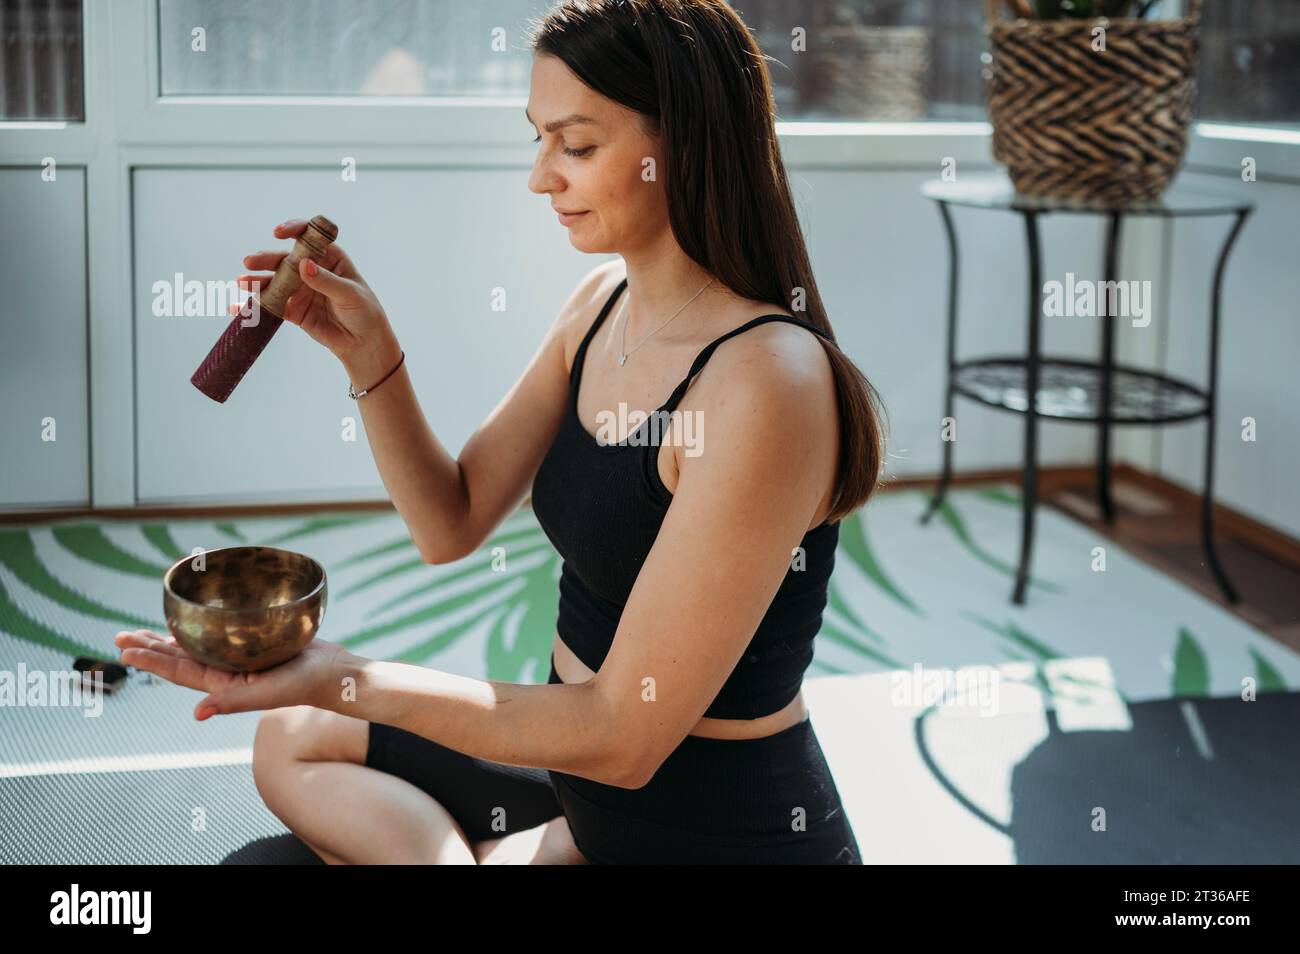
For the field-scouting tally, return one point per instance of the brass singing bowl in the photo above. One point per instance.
(241, 609)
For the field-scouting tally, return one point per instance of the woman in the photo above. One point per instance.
(672, 727)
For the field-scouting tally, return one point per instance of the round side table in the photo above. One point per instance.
(1071, 389)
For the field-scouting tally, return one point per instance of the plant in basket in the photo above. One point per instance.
(1091, 100)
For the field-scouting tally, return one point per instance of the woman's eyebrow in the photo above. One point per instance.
(572, 119)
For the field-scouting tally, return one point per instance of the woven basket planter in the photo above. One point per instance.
(1070, 122)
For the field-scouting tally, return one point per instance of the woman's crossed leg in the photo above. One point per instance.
(310, 767)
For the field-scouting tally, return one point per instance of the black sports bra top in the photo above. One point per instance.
(602, 504)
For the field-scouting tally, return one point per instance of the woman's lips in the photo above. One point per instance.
(569, 219)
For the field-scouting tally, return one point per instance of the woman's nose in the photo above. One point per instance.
(536, 178)
(542, 179)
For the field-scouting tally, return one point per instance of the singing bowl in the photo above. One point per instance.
(243, 609)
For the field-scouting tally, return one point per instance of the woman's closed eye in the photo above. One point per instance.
(576, 153)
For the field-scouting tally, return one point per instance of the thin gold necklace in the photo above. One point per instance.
(622, 352)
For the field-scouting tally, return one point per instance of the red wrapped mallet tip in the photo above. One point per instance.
(239, 346)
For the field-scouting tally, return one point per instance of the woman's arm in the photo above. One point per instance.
(557, 726)
(452, 505)
(739, 510)
(422, 479)
(449, 505)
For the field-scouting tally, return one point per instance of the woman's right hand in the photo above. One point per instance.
(334, 306)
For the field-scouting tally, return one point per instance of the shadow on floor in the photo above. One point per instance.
(1193, 781)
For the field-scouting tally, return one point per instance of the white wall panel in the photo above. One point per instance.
(43, 339)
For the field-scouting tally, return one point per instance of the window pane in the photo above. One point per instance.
(920, 59)
(894, 60)
(1250, 61)
(40, 61)
(345, 47)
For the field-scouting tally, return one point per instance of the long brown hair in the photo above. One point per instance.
(694, 72)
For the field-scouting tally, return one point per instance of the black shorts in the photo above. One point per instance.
(713, 801)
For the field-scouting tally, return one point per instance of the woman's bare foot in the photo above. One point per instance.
(550, 843)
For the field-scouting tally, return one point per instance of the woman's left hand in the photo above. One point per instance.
(310, 678)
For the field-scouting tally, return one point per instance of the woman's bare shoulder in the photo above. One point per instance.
(778, 350)
(779, 361)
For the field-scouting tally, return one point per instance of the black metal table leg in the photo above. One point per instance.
(1207, 495)
(1029, 494)
(945, 477)
(1107, 361)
